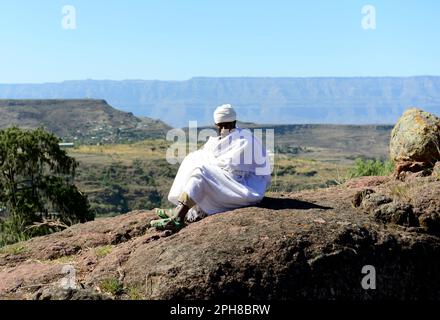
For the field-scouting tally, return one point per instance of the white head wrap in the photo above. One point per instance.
(225, 113)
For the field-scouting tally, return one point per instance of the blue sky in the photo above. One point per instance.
(180, 39)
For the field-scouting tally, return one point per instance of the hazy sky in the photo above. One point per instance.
(180, 39)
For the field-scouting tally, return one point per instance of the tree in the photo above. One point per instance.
(36, 181)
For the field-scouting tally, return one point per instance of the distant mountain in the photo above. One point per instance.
(85, 121)
(378, 100)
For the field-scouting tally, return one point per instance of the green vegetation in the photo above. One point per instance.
(13, 249)
(103, 251)
(37, 194)
(121, 187)
(12, 230)
(135, 292)
(364, 167)
(125, 177)
(112, 286)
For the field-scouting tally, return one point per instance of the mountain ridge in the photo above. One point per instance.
(336, 100)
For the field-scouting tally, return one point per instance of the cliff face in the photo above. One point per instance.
(306, 245)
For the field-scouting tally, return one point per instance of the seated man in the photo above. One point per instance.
(230, 171)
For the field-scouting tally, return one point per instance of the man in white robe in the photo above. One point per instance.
(230, 171)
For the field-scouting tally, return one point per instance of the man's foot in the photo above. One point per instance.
(167, 224)
(165, 213)
(180, 210)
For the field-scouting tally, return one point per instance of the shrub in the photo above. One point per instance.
(36, 185)
(112, 286)
(364, 167)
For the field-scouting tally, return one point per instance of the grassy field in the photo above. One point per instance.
(122, 177)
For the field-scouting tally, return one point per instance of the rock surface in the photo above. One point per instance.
(415, 140)
(305, 245)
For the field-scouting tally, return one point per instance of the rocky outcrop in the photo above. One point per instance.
(415, 141)
(305, 245)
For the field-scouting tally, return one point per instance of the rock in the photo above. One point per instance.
(397, 213)
(360, 196)
(297, 246)
(367, 182)
(57, 293)
(415, 141)
(431, 222)
(369, 200)
(406, 174)
(424, 199)
(373, 201)
(412, 168)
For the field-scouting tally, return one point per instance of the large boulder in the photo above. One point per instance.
(304, 245)
(415, 140)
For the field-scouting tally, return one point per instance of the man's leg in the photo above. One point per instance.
(177, 220)
(185, 203)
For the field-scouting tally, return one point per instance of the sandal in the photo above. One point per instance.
(164, 213)
(167, 224)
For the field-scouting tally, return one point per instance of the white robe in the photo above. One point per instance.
(227, 173)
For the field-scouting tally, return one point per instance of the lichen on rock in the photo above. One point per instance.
(415, 141)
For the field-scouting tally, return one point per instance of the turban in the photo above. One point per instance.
(225, 113)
